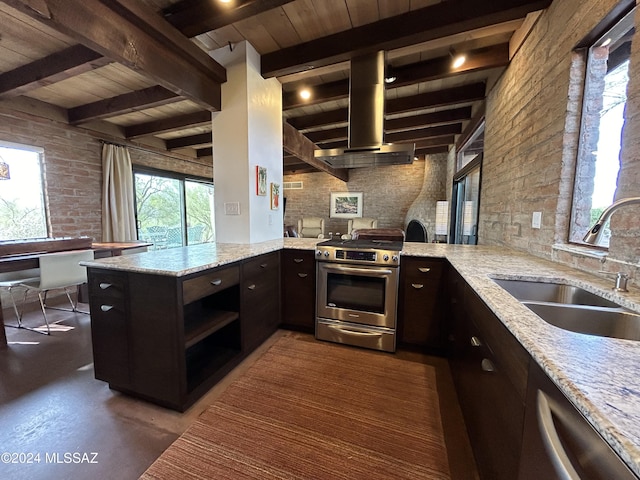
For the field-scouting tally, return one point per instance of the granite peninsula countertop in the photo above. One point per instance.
(601, 376)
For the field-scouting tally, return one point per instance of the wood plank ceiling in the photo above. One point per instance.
(138, 70)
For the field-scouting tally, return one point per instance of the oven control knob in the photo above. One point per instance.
(326, 254)
(385, 258)
(318, 253)
(395, 258)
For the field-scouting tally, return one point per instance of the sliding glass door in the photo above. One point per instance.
(173, 211)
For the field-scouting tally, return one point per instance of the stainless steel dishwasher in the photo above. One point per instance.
(558, 441)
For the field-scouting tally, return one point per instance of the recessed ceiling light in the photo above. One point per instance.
(459, 60)
(305, 94)
(606, 42)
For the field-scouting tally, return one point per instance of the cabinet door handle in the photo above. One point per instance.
(104, 286)
(106, 308)
(424, 269)
(475, 342)
(298, 260)
(487, 365)
(302, 275)
(552, 443)
(216, 283)
(263, 265)
(252, 286)
(417, 286)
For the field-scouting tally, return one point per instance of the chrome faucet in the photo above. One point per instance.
(594, 234)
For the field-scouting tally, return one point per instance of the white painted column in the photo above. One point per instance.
(247, 133)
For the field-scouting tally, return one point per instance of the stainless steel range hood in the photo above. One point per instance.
(366, 121)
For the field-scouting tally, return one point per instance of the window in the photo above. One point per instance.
(173, 211)
(22, 205)
(603, 106)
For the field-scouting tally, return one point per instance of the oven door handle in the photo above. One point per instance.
(362, 271)
(350, 331)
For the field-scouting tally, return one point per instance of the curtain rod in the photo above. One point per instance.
(149, 150)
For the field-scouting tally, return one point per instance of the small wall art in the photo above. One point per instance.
(275, 196)
(346, 204)
(261, 180)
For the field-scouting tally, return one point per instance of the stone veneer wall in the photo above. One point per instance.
(531, 142)
(73, 170)
(387, 194)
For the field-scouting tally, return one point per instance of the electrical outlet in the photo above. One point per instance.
(536, 220)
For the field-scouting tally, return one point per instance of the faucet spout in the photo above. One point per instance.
(593, 235)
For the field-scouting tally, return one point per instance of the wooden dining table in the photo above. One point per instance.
(16, 256)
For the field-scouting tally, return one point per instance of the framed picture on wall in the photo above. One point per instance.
(346, 204)
(261, 180)
(275, 196)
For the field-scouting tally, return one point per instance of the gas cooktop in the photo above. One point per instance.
(363, 244)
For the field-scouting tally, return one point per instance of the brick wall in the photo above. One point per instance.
(73, 170)
(531, 142)
(388, 193)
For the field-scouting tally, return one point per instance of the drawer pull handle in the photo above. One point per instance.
(424, 269)
(475, 342)
(263, 265)
(106, 308)
(302, 275)
(216, 283)
(487, 365)
(298, 260)
(104, 286)
(252, 286)
(417, 286)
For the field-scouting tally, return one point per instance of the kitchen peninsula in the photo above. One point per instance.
(599, 375)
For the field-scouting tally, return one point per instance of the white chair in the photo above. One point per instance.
(61, 270)
(311, 227)
(357, 223)
(10, 282)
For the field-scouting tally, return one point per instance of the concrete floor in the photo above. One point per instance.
(51, 405)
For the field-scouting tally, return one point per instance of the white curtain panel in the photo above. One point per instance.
(118, 215)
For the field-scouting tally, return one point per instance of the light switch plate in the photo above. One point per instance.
(232, 208)
(536, 220)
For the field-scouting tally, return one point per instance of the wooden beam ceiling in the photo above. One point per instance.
(54, 68)
(128, 32)
(194, 17)
(429, 23)
(170, 124)
(125, 103)
(200, 139)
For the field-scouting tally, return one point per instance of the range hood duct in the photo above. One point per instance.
(366, 121)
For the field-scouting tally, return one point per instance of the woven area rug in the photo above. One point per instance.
(316, 410)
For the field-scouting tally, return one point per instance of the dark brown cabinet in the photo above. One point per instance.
(421, 303)
(298, 289)
(260, 299)
(490, 370)
(163, 338)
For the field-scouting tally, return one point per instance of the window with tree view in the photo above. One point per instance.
(22, 205)
(604, 99)
(173, 211)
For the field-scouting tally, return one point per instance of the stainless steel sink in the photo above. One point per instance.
(603, 322)
(533, 291)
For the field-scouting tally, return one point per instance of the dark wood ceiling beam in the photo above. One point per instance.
(434, 69)
(200, 139)
(54, 68)
(434, 119)
(329, 135)
(130, 33)
(435, 141)
(314, 120)
(204, 152)
(439, 98)
(422, 25)
(422, 133)
(193, 17)
(432, 150)
(121, 104)
(188, 120)
(294, 143)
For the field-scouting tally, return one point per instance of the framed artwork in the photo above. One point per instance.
(261, 180)
(275, 196)
(346, 204)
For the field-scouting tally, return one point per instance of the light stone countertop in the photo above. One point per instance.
(601, 376)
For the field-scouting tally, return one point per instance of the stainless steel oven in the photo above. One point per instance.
(357, 291)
